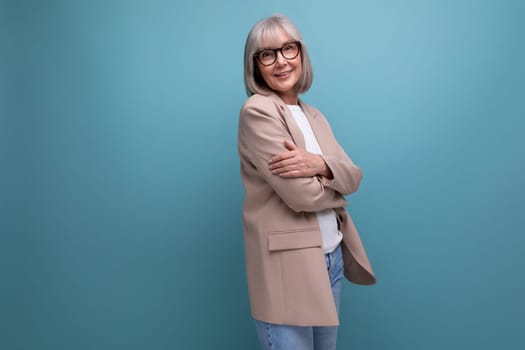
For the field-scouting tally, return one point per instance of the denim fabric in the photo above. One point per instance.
(284, 337)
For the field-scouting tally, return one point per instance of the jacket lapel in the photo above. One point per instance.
(297, 134)
(319, 128)
(317, 123)
(293, 128)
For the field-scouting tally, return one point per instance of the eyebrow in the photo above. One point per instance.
(276, 48)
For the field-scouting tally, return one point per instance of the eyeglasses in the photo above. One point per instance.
(267, 57)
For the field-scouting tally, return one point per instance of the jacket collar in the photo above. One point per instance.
(295, 131)
(308, 110)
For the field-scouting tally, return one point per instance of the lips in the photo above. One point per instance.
(283, 74)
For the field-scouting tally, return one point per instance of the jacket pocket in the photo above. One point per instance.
(294, 239)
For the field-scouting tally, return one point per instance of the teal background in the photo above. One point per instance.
(120, 189)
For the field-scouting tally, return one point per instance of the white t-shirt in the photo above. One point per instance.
(330, 235)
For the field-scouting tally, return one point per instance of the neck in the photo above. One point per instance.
(290, 99)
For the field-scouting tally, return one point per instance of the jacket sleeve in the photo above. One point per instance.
(346, 175)
(261, 136)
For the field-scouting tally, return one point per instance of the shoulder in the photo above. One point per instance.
(261, 104)
(258, 101)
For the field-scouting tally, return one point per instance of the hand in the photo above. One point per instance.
(297, 162)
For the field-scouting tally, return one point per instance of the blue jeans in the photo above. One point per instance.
(283, 337)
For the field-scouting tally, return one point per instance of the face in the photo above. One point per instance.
(282, 75)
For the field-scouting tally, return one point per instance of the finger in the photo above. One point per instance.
(282, 156)
(293, 173)
(298, 168)
(283, 163)
(289, 145)
(294, 170)
(280, 167)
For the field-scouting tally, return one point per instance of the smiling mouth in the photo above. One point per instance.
(283, 74)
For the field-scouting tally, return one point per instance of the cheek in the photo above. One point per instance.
(299, 63)
(266, 74)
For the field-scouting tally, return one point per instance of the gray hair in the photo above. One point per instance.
(266, 28)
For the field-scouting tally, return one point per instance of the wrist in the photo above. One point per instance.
(325, 170)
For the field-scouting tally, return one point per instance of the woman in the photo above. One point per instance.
(298, 236)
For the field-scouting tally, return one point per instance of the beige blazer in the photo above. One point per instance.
(287, 277)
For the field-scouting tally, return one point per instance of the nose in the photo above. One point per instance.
(280, 58)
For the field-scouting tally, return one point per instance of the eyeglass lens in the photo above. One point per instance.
(269, 56)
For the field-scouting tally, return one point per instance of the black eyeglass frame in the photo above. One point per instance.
(257, 54)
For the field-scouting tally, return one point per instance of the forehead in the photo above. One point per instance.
(274, 37)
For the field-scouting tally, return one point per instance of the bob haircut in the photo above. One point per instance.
(264, 29)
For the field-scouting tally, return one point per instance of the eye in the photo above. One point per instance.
(290, 47)
(266, 54)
